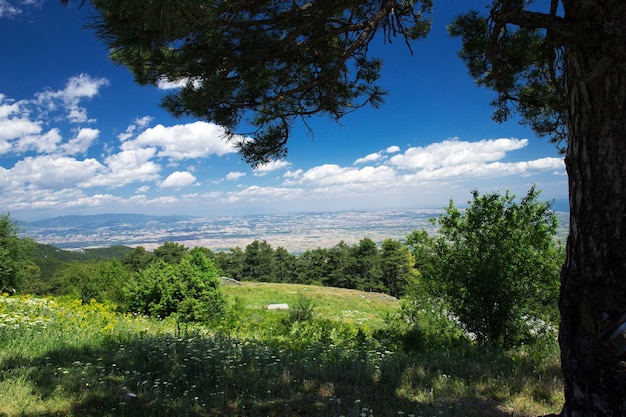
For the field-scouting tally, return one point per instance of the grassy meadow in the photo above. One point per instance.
(60, 357)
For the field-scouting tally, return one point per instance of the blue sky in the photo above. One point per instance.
(78, 136)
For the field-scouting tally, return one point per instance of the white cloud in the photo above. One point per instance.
(143, 189)
(130, 159)
(15, 124)
(178, 180)
(377, 156)
(127, 167)
(369, 158)
(13, 8)
(82, 142)
(294, 174)
(235, 175)
(79, 87)
(263, 194)
(331, 174)
(192, 140)
(21, 122)
(51, 172)
(55, 178)
(139, 123)
(494, 170)
(46, 142)
(82, 86)
(274, 165)
(454, 152)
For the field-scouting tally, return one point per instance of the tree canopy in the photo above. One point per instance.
(14, 252)
(522, 64)
(265, 63)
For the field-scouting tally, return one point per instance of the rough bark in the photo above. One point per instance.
(593, 292)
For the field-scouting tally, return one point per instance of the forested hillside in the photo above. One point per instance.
(363, 266)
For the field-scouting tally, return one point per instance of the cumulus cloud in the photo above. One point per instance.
(138, 124)
(274, 165)
(14, 122)
(77, 88)
(52, 172)
(332, 174)
(47, 165)
(294, 174)
(369, 158)
(13, 8)
(125, 168)
(192, 140)
(143, 189)
(178, 180)
(235, 175)
(21, 122)
(495, 169)
(81, 142)
(377, 156)
(454, 152)
(40, 143)
(18, 133)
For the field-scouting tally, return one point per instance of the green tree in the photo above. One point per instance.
(171, 252)
(496, 264)
(285, 263)
(14, 253)
(421, 246)
(339, 262)
(97, 280)
(210, 255)
(260, 262)
(189, 290)
(312, 267)
(366, 266)
(232, 263)
(397, 265)
(332, 267)
(138, 258)
(562, 67)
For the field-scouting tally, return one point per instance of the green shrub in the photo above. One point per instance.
(495, 264)
(302, 310)
(101, 281)
(189, 289)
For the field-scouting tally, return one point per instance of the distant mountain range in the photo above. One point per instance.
(102, 220)
(295, 232)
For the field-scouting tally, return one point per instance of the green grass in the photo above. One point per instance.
(61, 358)
(350, 306)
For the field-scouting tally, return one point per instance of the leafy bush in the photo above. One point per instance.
(99, 281)
(496, 265)
(189, 289)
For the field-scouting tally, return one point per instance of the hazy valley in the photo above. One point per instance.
(295, 232)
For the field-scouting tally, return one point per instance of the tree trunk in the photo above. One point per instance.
(593, 280)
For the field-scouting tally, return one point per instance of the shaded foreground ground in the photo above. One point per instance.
(60, 358)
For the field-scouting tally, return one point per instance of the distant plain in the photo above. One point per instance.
(296, 232)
